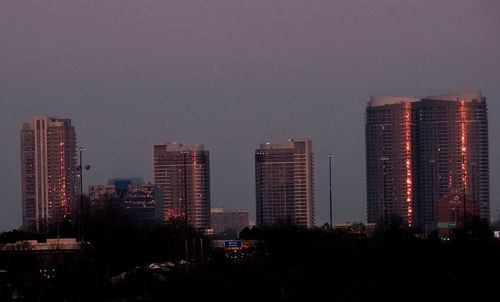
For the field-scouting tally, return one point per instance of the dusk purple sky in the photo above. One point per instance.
(232, 74)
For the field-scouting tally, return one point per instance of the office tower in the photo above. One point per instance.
(136, 200)
(48, 172)
(184, 174)
(443, 139)
(284, 183)
(229, 221)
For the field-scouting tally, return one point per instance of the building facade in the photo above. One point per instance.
(183, 172)
(425, 150)
(453, 149)
(228, 221)
(391, 158)
(137, 200)
(284, 183)
(48, 172)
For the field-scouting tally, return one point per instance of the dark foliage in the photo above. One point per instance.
(17, 235)
(285, 264)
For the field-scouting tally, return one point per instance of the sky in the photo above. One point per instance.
(232, 74)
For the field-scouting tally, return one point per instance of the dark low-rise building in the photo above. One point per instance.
(139, 201)
(228, 221)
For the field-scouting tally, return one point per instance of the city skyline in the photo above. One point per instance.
(231, 75)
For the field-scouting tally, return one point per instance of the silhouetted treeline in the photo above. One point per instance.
(124, 243)
(282, 264)
(395, 264)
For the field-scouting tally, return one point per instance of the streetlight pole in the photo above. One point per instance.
(184, 153)
(185, 190)
(432, 164)
(330, 157)
(464, 184)
(80, 168)
(474, 202)
(384, 197)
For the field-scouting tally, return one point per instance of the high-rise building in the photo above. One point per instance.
(453, 149)
(391, 158)
(284, 183)
(420, 151)
(184, 174)
(48, 172)
(230, 222)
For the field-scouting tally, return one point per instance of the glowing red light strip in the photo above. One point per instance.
(409, 180)
(64, 201)
(463, 143)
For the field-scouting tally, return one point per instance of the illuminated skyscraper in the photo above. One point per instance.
(184, 174)
(48, 172)
(391, 158)
(284, 183)
(419, 151)
(453, 150)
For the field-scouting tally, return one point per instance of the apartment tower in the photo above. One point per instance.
(48, 172)
(391, 158)
(421, 151)
(284, 183)
(184, 174)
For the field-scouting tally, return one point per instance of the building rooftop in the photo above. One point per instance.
(177, 147)
(467, 96)
(288, 144)
(376, 100)
(131, 180)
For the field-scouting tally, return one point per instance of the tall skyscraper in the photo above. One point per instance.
(420, 151)
(48, 172)
(284, 183)
(391, 158)
(454, 157)
(184, 174)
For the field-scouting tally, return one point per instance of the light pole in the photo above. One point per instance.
(80, 169)
(474, 203)
(184, 153)
(433, 192)
(384, 198)
(330, 157)
(473, 164)
(465, 188)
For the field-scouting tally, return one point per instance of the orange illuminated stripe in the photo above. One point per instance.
(64, 200)
(463, 142)
(409, 178)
